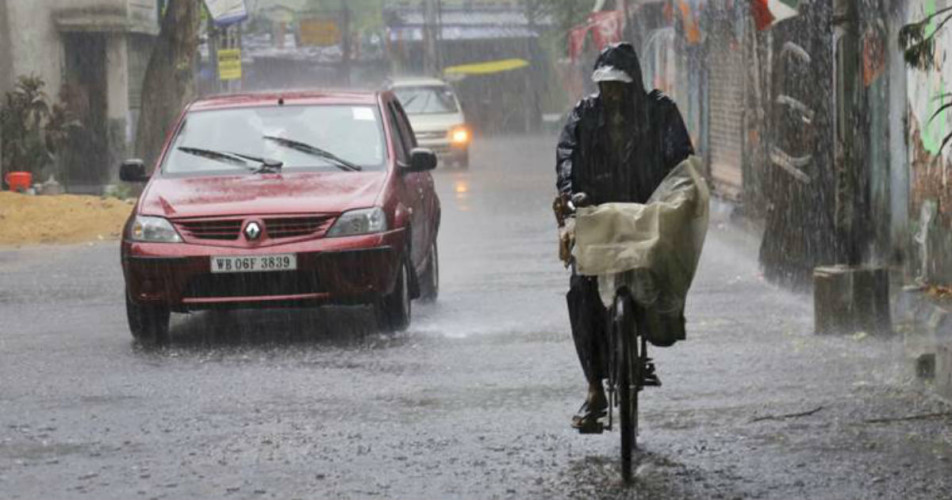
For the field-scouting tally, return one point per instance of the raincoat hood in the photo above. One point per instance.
(622, 56)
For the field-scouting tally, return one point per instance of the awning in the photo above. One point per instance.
(486, 68)
(73, 21)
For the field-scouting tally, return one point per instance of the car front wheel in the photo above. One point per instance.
(149, 324)
(393, 310)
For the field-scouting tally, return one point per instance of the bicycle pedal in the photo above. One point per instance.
(596, 427)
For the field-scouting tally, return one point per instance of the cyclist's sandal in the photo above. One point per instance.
(587, 420)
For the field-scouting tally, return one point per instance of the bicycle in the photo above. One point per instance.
(630, 369)
(646, 255)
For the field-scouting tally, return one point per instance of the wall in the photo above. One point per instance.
(35, 43)
(6, 56)
(726, 92)
(39, 33)
(930, 172)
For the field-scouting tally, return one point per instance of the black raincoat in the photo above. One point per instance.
(658, 143)
(588, 161)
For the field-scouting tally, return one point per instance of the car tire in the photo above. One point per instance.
(430, 278)
(149, 324)
(393, 310)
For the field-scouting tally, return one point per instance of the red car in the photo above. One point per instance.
(283, 200)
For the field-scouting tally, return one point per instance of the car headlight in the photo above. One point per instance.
(362, 221)
(459, 135)
(153, 230)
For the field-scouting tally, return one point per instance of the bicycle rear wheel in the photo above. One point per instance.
(627, 376)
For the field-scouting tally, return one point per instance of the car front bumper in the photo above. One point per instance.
(342, 270)
(445, 149)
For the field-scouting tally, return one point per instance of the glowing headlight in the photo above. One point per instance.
(459, 135)
(153, 230)
(362, 221)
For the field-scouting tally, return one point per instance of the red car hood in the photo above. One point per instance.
(265, 194)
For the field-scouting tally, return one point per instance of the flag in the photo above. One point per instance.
(769, 12)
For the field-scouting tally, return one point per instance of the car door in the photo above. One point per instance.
(414, 184)
(430, 200)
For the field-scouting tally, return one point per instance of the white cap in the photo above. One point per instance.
(610, 74)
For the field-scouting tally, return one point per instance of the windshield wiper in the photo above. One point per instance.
(314, 151)
(267, 164)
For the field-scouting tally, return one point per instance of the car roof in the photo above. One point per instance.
(291, 97)
(418, 82)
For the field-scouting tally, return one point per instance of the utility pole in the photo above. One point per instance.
(212, 32)
(430, 58)
(345, 43)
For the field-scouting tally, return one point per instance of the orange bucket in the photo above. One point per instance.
(19, 181)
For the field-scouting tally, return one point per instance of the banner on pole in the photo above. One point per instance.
(229, 64)
(320, 32)
(225, 12)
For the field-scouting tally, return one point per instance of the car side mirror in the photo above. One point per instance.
(133, 171)
(421, 160)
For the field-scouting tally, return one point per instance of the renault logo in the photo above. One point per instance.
(252, 231)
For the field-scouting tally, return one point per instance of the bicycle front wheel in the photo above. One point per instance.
(623, 326)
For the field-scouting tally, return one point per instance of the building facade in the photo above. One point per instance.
(92, 54)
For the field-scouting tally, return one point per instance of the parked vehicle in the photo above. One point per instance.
(437, 117)
(278, 200)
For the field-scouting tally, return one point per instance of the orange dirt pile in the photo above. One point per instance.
(27, 220)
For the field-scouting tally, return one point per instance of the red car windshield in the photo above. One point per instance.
(351, 133)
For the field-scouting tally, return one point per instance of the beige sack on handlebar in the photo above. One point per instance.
(654, 248)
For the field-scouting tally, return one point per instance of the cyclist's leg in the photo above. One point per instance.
(588, 321)
(587, 316)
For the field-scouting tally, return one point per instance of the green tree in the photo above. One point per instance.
(565, 14)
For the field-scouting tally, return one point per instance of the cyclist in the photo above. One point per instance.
(616, 146)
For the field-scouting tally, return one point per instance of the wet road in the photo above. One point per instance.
(472, 402)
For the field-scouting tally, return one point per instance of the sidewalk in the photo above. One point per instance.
(922, 323)
(925, 322)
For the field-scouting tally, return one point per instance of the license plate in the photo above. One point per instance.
(256, 263)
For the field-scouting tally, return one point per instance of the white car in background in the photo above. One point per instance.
(436, 117)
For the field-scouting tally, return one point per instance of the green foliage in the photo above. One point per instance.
(32, 128)
(25, 111)
(917, 40)
(565, 13)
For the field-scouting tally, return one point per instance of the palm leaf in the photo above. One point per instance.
(945, 141)
(940, 110)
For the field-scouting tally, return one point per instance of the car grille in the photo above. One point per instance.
(276, 227)
(253, 284)
(440, 134)
(291, 227)
(219, 229)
